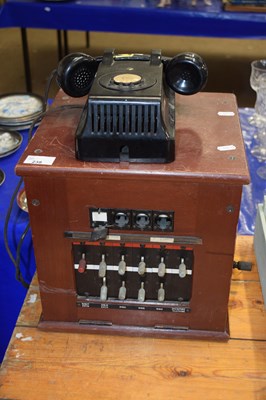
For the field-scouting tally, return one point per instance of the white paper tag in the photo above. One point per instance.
(99, 216)
(161, 240)
(229, 147)
(40, 160)
(226, 114)
(113, 237)
(33, 298)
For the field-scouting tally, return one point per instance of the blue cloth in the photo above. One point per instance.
(134, 16)
(253, 193)
(12, 293)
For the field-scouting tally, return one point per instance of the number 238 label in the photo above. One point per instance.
(40, 160)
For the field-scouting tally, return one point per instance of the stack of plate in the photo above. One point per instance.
(19, 110)
(10, 142)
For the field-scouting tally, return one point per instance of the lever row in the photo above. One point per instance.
(141, 268)
(123, 291)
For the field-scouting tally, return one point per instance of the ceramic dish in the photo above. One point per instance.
(10, 142)
(22, 200)
(19, 109)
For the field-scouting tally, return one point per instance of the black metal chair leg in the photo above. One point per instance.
(26, 59)
(59, 45)
(87, 37)
(66, 50)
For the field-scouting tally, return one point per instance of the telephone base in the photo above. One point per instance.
(142, 150)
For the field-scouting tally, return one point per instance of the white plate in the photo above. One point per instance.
(10, 142)
(19, 108)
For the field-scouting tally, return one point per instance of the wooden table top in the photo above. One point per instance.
(47, 365)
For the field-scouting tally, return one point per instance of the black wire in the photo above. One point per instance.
(16, 261)
(47, 88)
(7, 220)
(19, 276)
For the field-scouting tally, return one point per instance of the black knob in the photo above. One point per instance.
(186, 73)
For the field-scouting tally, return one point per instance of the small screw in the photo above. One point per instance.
(232, 158)
(35, 202)
(38, 151)
(230, 209)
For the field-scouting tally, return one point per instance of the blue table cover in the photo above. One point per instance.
(253, 193)
(12, 293)
(134, 16)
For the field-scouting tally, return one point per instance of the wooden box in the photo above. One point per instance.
(200, 191)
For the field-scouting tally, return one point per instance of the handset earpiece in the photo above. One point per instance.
(75, 74)
(186, 73)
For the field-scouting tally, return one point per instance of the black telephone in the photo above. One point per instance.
(130, 112)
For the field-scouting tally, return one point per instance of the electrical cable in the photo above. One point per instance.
(47, 88)
(46, 110)
(20, 243)
(16, 260)
(11, 203)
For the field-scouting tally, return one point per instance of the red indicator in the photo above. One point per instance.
(82, 264)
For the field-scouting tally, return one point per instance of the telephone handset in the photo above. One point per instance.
(186, 73)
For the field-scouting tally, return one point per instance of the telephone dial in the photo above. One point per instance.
(130, 111)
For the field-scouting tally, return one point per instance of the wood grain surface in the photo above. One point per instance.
(54, 366)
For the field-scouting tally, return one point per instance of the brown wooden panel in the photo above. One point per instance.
(145, 194)
(246, 310)
(52, 252)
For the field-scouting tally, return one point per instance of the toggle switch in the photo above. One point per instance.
(142, 220)
(82, 264)
(122, 266)
(102, 267)
(161, 293)
(121, 219)
(161, 268)
(141, 293)
(163, 221)
(103, 293)
(182, 269)
(122, 291)
(142, 266)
